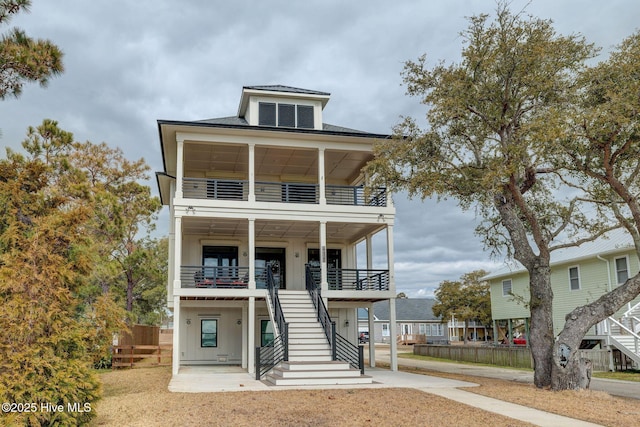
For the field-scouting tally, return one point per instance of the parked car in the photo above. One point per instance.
(364, 337)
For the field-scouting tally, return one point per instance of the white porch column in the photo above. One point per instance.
(245, 337)
(392, 276)
(393, 335)
(321, 180)
(177, 318)
(177, 253)
(372, 334)
(323, 256)
(179, 167)
(252, 172)
(251, 336)
(369, 248)
(252, 253)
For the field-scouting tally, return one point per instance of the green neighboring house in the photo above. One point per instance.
(579, 275)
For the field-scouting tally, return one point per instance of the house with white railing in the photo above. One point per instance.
(579, 275)
(267, 211)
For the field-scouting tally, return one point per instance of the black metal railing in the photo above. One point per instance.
(219, 189)
(355, 196)
(286, 192)
(276, 351)
(282, 192)
(341, 348)
(202, 276)
(352, 279)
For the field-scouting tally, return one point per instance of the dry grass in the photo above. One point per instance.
(140, 397)
(587, 405)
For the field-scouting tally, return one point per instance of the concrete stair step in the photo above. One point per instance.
(332, 365)
(303, 339)
(307, 381)
(310, 358)
(300, 350)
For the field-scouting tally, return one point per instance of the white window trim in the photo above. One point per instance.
(577, 267)
(626, 258)
(510, 287)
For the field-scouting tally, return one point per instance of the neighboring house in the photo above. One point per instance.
(415, 322)
(579, 275)
(271, 199)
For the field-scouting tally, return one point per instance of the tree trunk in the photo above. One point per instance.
(571, 372)
(130, 286)
(541, 333)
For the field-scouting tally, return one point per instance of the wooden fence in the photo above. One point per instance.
(515, 357)
(132, 356)
(140, 335)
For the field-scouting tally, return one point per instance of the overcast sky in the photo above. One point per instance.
(130, 63)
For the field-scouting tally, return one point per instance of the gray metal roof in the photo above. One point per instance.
(613, 242)
(407, 309)
(240, 121)
(288, 89)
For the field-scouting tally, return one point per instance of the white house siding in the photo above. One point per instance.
(229, 349)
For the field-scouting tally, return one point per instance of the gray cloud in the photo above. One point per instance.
(131, 63)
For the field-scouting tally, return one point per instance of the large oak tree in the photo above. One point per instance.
(495, 125)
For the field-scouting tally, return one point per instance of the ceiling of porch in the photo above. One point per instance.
(275, 230)
(340, 166)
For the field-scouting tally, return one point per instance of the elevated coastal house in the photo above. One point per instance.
(579, 275)
(267, 208)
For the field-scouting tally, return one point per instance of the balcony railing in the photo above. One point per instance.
(282, 192)
(351, 279)
(223, 277)
(218, 189)
(355, 196)
(286, 192)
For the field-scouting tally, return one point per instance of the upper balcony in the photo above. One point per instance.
(282, 192)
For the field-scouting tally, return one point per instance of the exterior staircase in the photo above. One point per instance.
(625, 334)
(310, 361)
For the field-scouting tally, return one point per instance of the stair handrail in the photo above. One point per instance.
(636, 336)
(631, 310)
(276, 351)
(341, 348)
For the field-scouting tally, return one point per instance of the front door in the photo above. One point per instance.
(220, 261)
(334, 264)
(273, 259)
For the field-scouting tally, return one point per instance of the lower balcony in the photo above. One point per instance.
(352, 279)
(231, 277)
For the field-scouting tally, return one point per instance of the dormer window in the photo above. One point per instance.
(285, 115)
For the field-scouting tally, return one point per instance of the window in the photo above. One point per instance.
(209, 333)
(422, 328)
(436, 329)
(574, 278)
(506, 287)
(622, 270)
(266, 333)
(285, 115)
(267, 114)
(305, 116)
